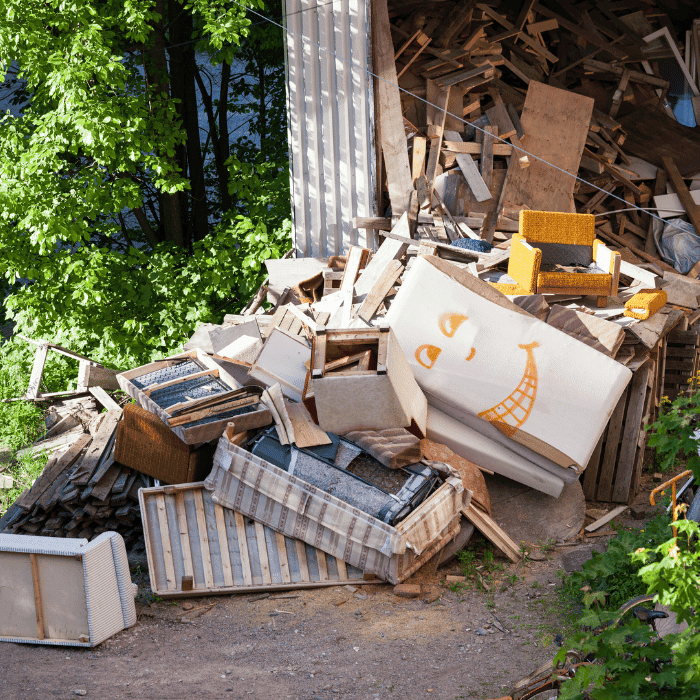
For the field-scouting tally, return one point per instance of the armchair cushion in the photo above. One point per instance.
(524, 264)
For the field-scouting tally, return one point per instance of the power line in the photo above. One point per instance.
(458, 117)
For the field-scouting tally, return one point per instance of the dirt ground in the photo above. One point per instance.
(312, 645)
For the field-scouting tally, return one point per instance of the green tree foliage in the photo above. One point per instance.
(123, 222)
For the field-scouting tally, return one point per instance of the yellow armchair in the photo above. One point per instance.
(557, 253)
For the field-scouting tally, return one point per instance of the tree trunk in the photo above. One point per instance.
(183, 69)
(157, 74)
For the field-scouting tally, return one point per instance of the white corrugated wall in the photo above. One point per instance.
(331, 123)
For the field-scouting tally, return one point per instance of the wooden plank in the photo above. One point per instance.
(37, 370)
(633, 424)
(590, 476)
(322, 566)
(612, 443)
(243, 549)
(262, 551)
(104, 399)
(342, 570)
(38, 606)
(381, 288)
(420, 144)
(487, 155)
(490, 529)
(471, 173)
(284, 561)
(390, 249)
(52, 472)
(606, 519)
(306, 432)
(184, 533)
(474, 149)
(499, 117)
(556, 124)
(223, 545)
(392, 136)
(170, 581)
(301, 558)
(436, 142)
(99, 443)
(203, 539)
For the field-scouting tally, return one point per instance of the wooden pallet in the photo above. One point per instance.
(615, 467)
(682, 361)
(185, 532)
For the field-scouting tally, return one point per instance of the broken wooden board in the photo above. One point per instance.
(682, 143)
(306, 432)
(214, 550)
(490, 529)
(390, 119)
(556, 124)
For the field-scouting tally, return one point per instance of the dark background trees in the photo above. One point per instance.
(143, 169)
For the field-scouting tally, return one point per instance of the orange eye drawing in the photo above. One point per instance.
(471, 354)
(449, 323)
(427, 354)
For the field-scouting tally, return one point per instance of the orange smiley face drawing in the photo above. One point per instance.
(511, 413)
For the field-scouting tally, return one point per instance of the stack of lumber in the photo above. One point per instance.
(82, 491)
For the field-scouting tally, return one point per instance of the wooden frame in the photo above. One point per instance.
(196, 409)
(185, 530)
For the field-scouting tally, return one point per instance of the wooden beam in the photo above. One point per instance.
(390, 117)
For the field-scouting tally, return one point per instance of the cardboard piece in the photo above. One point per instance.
(538, 386)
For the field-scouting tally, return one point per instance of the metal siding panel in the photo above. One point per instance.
(331, 124)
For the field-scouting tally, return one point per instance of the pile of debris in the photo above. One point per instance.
(344, 434)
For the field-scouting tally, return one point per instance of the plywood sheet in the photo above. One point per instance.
(556, 125)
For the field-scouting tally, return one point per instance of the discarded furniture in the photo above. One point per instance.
(146, 444)
(193, 395)
(197, 547)
(344, 470)
(385, 395)
(645, 303)
(90, 373)
(64, 591)
(261, 491)
(557, 253)
(478, 356)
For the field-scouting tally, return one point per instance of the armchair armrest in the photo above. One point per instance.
(609, 261)
(524, 264)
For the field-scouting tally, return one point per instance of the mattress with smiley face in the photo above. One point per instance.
(475, 352)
